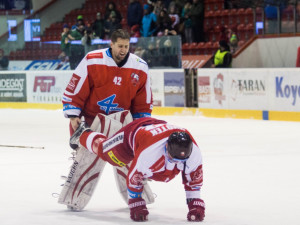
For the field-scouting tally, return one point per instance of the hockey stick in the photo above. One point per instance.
(21, 146)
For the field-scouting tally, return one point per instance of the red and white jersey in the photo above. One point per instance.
(150, 161)
(98, 85)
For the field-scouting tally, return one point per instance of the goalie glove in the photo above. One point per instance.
(196, 209)
(138, 209)
(74, 140)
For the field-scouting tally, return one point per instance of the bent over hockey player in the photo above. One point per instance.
(157, 151)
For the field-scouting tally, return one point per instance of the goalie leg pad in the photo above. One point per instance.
(86, 169)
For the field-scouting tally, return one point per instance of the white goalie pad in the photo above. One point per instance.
(120, 175)
(87, 167)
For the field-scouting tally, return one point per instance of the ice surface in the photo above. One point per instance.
(251, 174)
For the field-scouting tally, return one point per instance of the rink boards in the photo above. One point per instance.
(269, 94)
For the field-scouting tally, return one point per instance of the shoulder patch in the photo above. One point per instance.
(98, 55)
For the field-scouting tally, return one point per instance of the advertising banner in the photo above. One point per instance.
(46, 86)
(157, 86)
(13, 87)
(174, 89)
(285, 92)
(195, 61)
(38, 65)
(248, 89)
(213, 88)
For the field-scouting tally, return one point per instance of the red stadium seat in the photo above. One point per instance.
(200, 48)
(185, 48)
(249, 16)
(241, 32)
(232, 16)
(249, 31)
(225, 17)
(240, 16)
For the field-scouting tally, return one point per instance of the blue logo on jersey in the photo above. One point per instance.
(108, 105)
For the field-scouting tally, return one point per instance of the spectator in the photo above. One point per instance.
(157, 7)
(111, 24)
(77, 49)
(111, 6)
(98, 26)
(187, 23)
(135, 31)
(179, 4)
(174, 17)
(148, 22)
(4, 61)
(79, 21)
(87, 38)
(222, 58)
(134, 13)
(139, 51)
(151, 55)
(66, 39)
(271, 14)
(65, 45)
(197, 16)
(224, 34)
(164, 23)
(233, 39)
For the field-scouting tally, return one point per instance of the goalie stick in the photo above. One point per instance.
(87, 167)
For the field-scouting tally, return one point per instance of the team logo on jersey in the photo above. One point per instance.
(135, 78)
(73, 83)
(108, 105)
(137, 179)
(95, 55)
(197, 176)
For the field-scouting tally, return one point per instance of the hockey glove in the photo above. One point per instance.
(74, 140)
(196, 209)
(138, 209)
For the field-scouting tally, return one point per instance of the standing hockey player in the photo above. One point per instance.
(108, 81)
(157, 151)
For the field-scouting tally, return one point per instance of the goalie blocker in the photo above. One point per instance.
(87, 167)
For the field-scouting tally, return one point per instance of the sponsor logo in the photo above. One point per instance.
(219, 88)
(66, 99)
(108, 105)
(204, 90)
(174, 89)
(115, 159)
(159, 164)
(14, 84)
(135, 78)
(98, 55)
(13, 88)
(48, 65)
(247, 88)
(73, 170)
(73, 83)
(137, 179)
(112, 142)
(44, 83)
(287, 91)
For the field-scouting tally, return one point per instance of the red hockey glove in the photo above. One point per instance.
(138, 209)
(196, 209)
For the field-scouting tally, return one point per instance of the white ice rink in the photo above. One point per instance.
(251, 174)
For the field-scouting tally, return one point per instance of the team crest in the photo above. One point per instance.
(135, 78)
